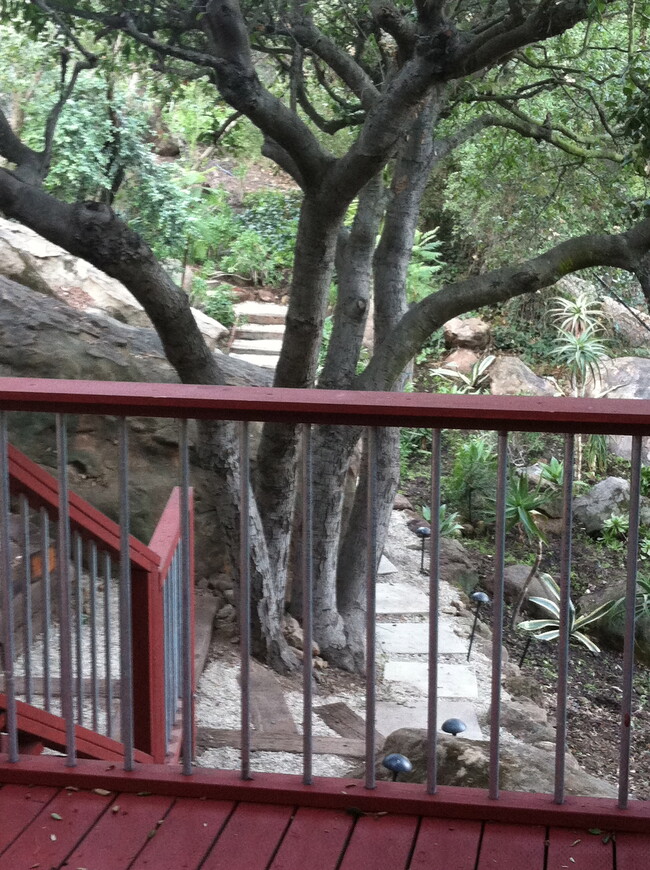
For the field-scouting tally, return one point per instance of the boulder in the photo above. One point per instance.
(510, 376)
(627, 377)
(514, 578)
(462, 359)
(629, 324)
(470, 332)
(456, 565)
(461, 762)
(592, 509)
(610, 630)
(34, 262)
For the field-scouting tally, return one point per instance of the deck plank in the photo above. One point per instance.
(576, 848)
(380, 843)
(316, 838)
(512, 846)
(19, 804)
(120, 834)
(55, 831)
(632, 851)
(250, 838)
(185, 836)
(443, 844)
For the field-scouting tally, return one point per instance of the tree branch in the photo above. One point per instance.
(628, 250)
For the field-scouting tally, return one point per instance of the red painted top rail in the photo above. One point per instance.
(522, 413)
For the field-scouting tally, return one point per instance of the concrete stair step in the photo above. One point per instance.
(259, 331)
(257, 359)
(263, 346)
(261, 312)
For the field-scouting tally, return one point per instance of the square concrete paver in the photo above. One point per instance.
(454, 681)
(391, 716)
(412, 638)
(386, 566)
(401, 598)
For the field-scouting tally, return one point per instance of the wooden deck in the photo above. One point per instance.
(105, 819)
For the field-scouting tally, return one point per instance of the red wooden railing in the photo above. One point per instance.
(149, 566)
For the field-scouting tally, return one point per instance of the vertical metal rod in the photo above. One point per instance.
(126, 650)
(65, 615)
(497, 626)
(371, 608)
(47, 606)
(565, 620)
(28, 632)
(108, 644)
(94, 687)
(167, 656)
(434, 605)
(245, 598)
(186, 594)
(7, 595)
(307, 605)
(78, 574)
(630, 626)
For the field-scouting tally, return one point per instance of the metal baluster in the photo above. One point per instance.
(565, 620)
(245, 598)
(497, 626)
(65, 616)
(28, 633)
(78, 573)
(167, 656)
(434, 604)
(108, 644)
(94, 688)
(371, 617)
(126, 650)
(177, 633)
(630, 626)
(307, 604)
(47, 606)
(186, 594)
(7, 595)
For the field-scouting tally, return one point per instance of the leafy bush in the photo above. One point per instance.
(472, 480)
(426, 261)
(450, 527)
(523, 506)
(475, 382)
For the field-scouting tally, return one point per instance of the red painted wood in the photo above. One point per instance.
(562, 414)
(443, 844)
(42, 489)
(167, 533)
(380, 843)
(524, 846)
(47, 841)
(19, 804)
(632, 851)
(50, 729)
(250, 838)
(316, 838)
(186, 835)
(335, 793)
(577, 848)
(118, 837)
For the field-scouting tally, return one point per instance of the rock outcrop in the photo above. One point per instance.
(510, 376)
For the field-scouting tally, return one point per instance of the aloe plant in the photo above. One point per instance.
(474, 382)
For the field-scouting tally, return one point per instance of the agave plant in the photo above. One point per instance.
(450, 526)
(577, 314)
(548, 628)
(474, 382)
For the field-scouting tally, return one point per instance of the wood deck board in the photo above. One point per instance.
(185, 836)
(632, 851)
(55, 831)
(19, 804)
(315, 838)
(120, 834)
(577, 848)
(380, 843)
(512, 846)
(444, 843)
(250, 838)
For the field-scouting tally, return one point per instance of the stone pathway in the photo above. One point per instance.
(258, 338)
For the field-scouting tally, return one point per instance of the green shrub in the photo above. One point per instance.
(470, 487)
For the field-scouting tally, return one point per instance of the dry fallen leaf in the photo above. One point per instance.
(56, 817)
(101, 791)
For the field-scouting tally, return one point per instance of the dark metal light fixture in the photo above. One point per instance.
(423, 532)
(480, 598)
(397, 764)
(453, 726)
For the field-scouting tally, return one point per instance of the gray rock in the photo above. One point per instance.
(470, 332)
(592, 509)
(514, 578)
(626, 377)
(463, 762)
(456, 566)
(510, 376)
(630, 324)
(462, 359)
(610, 630)
(526, 721)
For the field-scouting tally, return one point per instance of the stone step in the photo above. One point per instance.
(261, 312)
(401, 598)
(257, 331)
(258, 359)
(454, 681)
(391, 716)
(263, 346)
(412, 638)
